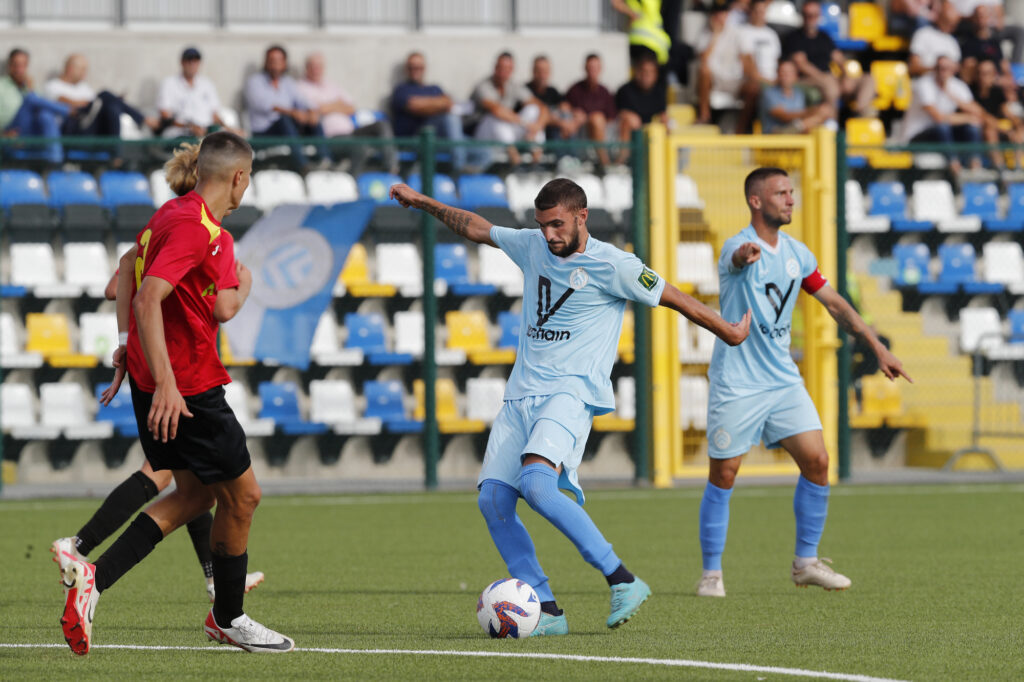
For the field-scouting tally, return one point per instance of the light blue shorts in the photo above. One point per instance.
(555, 427)
(735, 426)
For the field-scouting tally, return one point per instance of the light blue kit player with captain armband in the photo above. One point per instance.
(576, 291)
(756, 391)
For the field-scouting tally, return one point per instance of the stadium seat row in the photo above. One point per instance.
(933, 205)
(956, 267)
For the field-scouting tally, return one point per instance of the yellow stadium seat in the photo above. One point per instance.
(468, 331)
(892, 83)
(448, 420)
(627, 340)
(867, 22)
(50, 336)
(871, 133)
(356, 276)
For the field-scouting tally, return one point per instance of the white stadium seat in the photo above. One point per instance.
(18, 413)
(693, 401)
(276, 187)
(695, 263)
(1004, 263)
(484, 398)
(12, 346)
(521, 189)
(593, 188)
(86, 265)
(34, 266)
(695, 343)
(330, 187)
(933, 200)
(159, 189)
(625, 398)
(400, 265)
(687, 195)
(498, 269)
(326, 349)
(64, 405)
(857, 219)
(238, 400)
(409, 332)
(333, 402)
(618, 193)
(980, 329)
(97, 335)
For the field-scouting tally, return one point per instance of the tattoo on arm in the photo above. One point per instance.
(454, 218)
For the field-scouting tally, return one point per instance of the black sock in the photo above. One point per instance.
(137, 541)
(229, 582)
(619, 575)
(121, 503)
(199, 531)
(550, 608)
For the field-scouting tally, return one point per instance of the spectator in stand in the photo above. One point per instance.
(943, 110)
(739, 12)
(813, 52)
(784, 107)
(654, 31)
(760, 50)
(276, 109)
(23, 113)
(414, 104)
(997, 22)
(339, 116)
(561, 123)
(931, 42)
(641, 100)
(721, 69)
(593, 105)
(509, 113)
(988, 92)
(906, 16)
(188, 101)
(981, 44)
(91, 113)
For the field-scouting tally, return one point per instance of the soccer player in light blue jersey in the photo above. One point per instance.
(756, 392)
(576, 291)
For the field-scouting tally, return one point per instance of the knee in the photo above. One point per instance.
(243, 504)
(815, 467)
(596, 118)
(497, 502)
(724, 479)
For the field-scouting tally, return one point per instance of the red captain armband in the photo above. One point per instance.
(813, 282)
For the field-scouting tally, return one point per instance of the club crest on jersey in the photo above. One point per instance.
(578, 279)
(792, 268)
(648, 278)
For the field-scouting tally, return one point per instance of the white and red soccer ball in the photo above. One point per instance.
(508, 608)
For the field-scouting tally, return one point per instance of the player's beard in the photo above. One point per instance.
(777, 220)
(572, 245)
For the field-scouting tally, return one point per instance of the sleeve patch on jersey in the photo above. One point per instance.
(648, 279)
(813, 282)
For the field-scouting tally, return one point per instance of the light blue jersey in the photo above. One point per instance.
(769, 288)
(572, 315)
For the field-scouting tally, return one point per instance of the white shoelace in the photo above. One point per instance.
(256, 633)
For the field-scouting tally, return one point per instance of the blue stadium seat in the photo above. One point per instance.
(21, 187)
(366, 332)
(384, 401)
(509, 323)
(376, 186)
(123, 187)
(444, 188)
(119, 412)
(1018, 74)
(911, 264)
(958, 271)
(890, 199)
(281, 403)
(830, 23)
(982, 199)
(72, 187)
(1016, 326)
(1016, 207)
(451, 266)
(481, 190)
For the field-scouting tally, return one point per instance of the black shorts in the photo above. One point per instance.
(210, 444)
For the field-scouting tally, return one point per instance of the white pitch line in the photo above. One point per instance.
(669, 662)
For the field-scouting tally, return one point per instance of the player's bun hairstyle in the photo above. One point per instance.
(752, 185)
(561, 192)
(182, 170)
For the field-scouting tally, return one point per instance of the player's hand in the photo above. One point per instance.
(243, 273)
(736, 332)
(110, 391)
(747, 254)
(119, 356)
(167, 407)
(405, 195)
(890, 365)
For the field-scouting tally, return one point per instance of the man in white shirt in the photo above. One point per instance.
(931, 42)
(943, 110)
(91, 113)
(760, 50)
(188, 101)
(720, 69)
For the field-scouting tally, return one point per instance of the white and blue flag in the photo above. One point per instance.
(295, 254)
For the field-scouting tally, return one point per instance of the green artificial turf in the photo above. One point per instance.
(936, 590)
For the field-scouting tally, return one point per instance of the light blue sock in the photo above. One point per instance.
(714, 525)
(497, 502)
(810, 505)
(540, 490)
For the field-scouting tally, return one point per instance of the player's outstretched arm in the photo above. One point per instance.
(732, 333)
(463, 223)
(852, 323)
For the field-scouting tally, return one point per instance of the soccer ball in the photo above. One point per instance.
(508, 608)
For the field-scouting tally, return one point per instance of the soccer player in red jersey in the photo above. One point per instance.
(185, 424)
(145, 484)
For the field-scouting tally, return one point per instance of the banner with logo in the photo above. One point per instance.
(295, 253)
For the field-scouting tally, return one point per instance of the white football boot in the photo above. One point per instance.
(79, 605)
(818, 572)
(247, 634)
(64, 553)
(711, 585)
